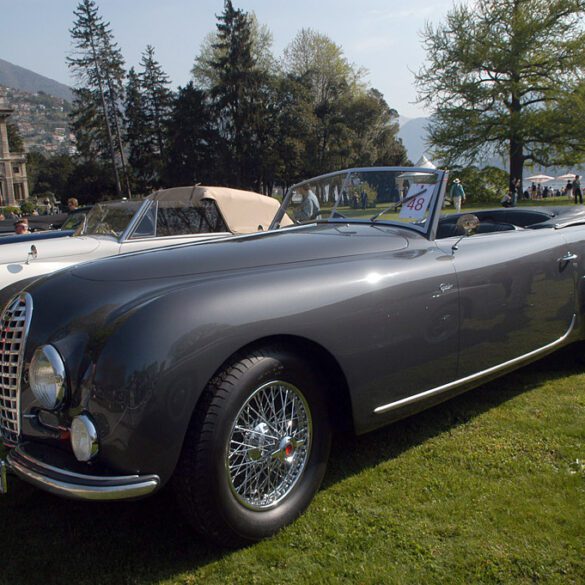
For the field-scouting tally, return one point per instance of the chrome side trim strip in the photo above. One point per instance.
(477, 375)
(68, 484)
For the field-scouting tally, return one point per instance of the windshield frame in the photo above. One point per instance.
(427, 228)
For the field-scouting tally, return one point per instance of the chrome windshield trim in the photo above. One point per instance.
(478, 375)
(67, 483)
(136, 219)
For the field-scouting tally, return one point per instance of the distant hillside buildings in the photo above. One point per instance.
(13, 179)
(42, 121)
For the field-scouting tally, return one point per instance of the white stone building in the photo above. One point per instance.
(13, 179)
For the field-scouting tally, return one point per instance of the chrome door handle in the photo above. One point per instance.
(568, 257)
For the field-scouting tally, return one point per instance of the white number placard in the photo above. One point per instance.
(416, 202)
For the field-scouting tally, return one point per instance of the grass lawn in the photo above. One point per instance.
(486, 488)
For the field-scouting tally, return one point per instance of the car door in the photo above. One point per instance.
(408, 338)
(517, 295)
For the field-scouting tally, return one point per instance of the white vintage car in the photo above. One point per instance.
(167, 217)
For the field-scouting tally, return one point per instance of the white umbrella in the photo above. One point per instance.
(567, 177)
(540, 178)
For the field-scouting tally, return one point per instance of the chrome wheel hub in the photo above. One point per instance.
(269, 445)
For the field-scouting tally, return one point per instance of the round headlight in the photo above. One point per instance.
(84, 439)
(47, 377)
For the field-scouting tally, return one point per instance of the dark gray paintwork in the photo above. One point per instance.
(390, 313)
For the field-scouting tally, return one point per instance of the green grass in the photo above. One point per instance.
(486, 488)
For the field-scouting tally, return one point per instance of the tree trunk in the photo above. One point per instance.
(516, 161)
(516, 145)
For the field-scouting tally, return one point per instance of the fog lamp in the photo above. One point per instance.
(84, 439)
(47, 377)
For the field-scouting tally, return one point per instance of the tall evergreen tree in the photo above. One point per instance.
(501, 76)
(99, 67)
(190, 155)
(137, 136)
(148, 107)
(237, 97)
(205, 74)
(157, 102)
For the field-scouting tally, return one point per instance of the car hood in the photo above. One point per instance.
(34, 236)
(310, 243)
(49, 249)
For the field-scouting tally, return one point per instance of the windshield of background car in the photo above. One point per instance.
(108, 219)
(390, 194)
(74, 220)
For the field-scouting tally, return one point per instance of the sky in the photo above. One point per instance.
(382, 36)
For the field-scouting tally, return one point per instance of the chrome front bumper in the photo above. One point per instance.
(64, 482)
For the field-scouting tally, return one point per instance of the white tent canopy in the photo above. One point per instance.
(540, 178)
(424, 163)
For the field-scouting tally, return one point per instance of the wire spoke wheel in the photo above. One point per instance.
(256, 449)
(269, 445)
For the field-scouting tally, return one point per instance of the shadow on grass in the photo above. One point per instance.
(46, 539)
(371, 449)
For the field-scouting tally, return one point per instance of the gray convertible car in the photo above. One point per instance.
(221, 368)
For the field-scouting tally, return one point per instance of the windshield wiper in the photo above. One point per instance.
(396, 205)
(344, 189)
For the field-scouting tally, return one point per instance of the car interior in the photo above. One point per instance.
(491, 221)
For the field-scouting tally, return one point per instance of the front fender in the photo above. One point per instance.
(154, 364)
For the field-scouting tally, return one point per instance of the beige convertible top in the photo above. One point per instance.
(244, 212)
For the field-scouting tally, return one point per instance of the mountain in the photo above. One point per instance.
(413, 134)
(25, 80)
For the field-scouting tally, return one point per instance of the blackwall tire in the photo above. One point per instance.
(256, 450)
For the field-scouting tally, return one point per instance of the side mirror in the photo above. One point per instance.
(32, 255)
(468, 223)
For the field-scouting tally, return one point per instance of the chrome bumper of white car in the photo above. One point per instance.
(74, 485)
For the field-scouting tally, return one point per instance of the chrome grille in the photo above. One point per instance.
(14, 324)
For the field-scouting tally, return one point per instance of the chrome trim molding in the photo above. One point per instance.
(142, 210)
(78, 486)
(477, 375)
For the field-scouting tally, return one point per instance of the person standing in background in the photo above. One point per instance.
(515, 191)
(457, 194)
(577, 189)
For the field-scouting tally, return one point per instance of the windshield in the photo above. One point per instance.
(108, 218)
(404, 195)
